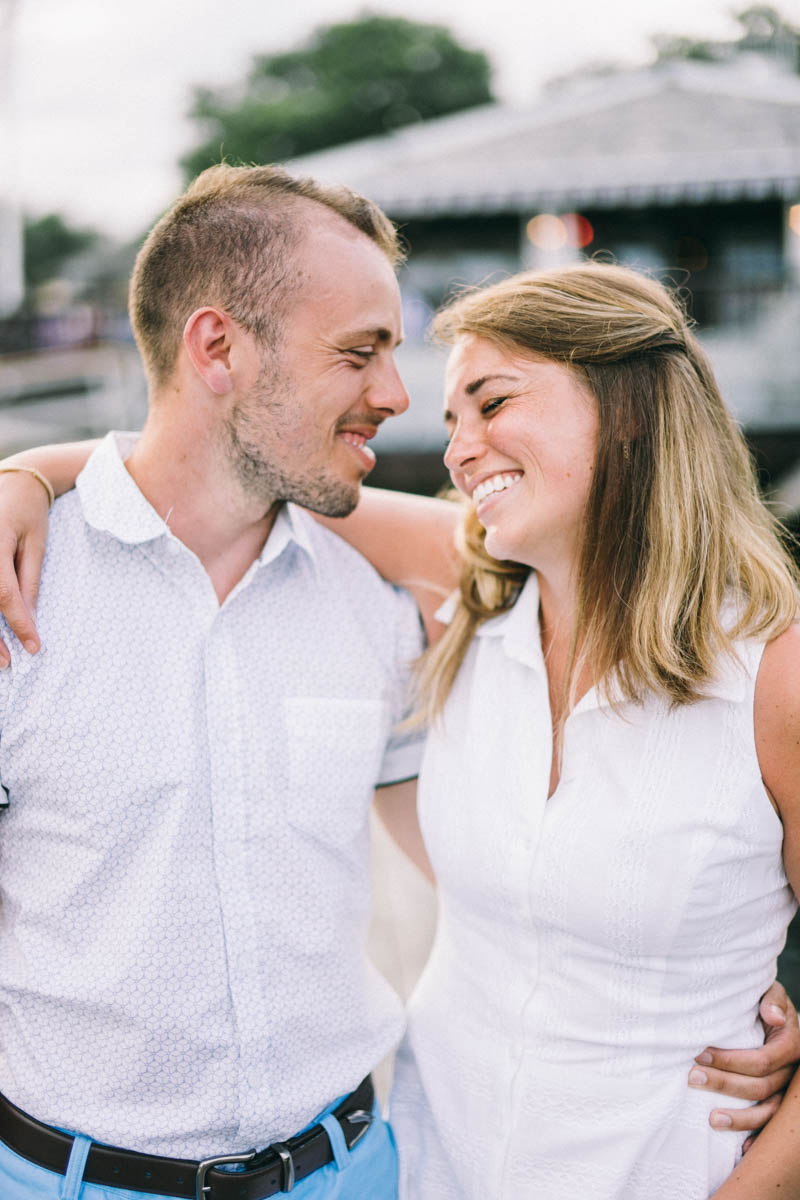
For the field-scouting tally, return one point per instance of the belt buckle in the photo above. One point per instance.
(359, 1117)
(287, 1164)
(202, 1189)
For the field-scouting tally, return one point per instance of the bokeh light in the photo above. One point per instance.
(547, 232)
(580, 232)
(794, 219)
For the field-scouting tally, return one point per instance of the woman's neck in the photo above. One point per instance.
(558, 615)
(558, 604)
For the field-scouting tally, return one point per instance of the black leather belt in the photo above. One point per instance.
(267, 1172)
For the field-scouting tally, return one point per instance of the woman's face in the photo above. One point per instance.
(523, 444)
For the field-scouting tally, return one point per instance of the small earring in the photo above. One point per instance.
(626, 450)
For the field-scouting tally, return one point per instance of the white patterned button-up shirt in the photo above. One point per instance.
(183, 855)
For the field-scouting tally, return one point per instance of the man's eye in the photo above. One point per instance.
(363, 353)
(492, 405)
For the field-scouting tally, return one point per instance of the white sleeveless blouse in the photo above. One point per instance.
(589, 945)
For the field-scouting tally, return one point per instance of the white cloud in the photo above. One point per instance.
(101, 89)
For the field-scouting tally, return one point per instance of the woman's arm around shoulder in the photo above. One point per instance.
(24, 505)
(410, 540)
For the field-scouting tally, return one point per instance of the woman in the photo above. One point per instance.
(612, 770)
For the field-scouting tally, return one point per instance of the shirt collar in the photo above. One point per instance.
(520, 631)
(292, 525)
(518, 627)
(112, 503)
(729, 681)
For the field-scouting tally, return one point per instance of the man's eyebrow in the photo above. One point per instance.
(378, 334)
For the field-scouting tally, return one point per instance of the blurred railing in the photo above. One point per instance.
(718, 302)
(83, 325)
(69, 391)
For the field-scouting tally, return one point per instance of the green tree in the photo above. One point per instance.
(763, 29)
(347, 81)
(48, 242)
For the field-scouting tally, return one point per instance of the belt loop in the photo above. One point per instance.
(336, 1138)
(72, 1186)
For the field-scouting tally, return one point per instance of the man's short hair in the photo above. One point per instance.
(229, 241)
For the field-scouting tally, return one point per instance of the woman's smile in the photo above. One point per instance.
(523, 442)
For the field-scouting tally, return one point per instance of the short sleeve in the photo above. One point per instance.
(403, 753)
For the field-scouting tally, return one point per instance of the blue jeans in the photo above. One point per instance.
(369, 1170)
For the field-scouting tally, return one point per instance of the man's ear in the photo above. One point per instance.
(207, 336)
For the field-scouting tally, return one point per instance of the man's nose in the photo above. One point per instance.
(388, 392)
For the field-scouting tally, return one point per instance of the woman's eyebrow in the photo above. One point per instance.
(477, 384)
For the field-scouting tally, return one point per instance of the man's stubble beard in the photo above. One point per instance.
(259, 432)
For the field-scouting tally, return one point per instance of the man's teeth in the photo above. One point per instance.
(497, 483)
(360, 442)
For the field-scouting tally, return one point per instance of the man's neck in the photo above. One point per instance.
(188, 483)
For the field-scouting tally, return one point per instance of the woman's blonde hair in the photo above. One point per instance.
(674, 525)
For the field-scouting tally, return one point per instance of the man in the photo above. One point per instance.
(188, 766)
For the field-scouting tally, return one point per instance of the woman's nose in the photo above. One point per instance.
(463, 448)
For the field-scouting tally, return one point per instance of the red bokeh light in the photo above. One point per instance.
(581, 232)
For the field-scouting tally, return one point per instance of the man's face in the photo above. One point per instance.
(300, 431)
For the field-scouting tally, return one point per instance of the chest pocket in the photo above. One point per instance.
(335, 752)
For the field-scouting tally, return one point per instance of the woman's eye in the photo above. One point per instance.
(492, 405)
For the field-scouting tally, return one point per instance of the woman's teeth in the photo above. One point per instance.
(497, 483)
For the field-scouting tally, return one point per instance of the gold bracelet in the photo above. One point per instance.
(43, 480)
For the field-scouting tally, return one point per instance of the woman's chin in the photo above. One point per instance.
(498, 546)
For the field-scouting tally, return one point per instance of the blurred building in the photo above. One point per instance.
(11, 285)
(688, 168)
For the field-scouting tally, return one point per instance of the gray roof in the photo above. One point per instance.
(676, 132)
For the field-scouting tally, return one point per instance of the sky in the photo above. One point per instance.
(93, 93)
